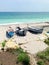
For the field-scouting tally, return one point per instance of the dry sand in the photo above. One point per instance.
(31, 40)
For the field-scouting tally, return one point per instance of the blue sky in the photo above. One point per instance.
(24, 5)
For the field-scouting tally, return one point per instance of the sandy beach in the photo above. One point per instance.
(32, 43)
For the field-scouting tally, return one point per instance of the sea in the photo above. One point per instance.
(23, 17)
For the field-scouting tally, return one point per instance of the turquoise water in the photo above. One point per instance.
(23, 17)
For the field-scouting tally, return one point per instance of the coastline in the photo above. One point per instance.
(24, 23)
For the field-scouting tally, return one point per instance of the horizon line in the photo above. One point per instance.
(21, 11)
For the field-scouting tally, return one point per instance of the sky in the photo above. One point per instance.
(24, 5)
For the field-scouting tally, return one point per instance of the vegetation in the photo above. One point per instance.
(3, 43)
(20, 57)
(40, 62)
(44, 57)
(47, 41)
(15, 51)
(24, 58)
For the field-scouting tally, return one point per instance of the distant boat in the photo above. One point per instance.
(10, 33)
(20, 32)
(35, 30)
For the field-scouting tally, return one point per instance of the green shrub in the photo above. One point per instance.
(44, 56)
(47, 51)
(41, 55)
(24, 58)
(47, 41)
(3, 44)
(19, 50)
(47, 58)
(40, 62)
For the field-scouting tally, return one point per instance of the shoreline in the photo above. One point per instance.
(24, 23)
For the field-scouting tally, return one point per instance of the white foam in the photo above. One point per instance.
(24, 23)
